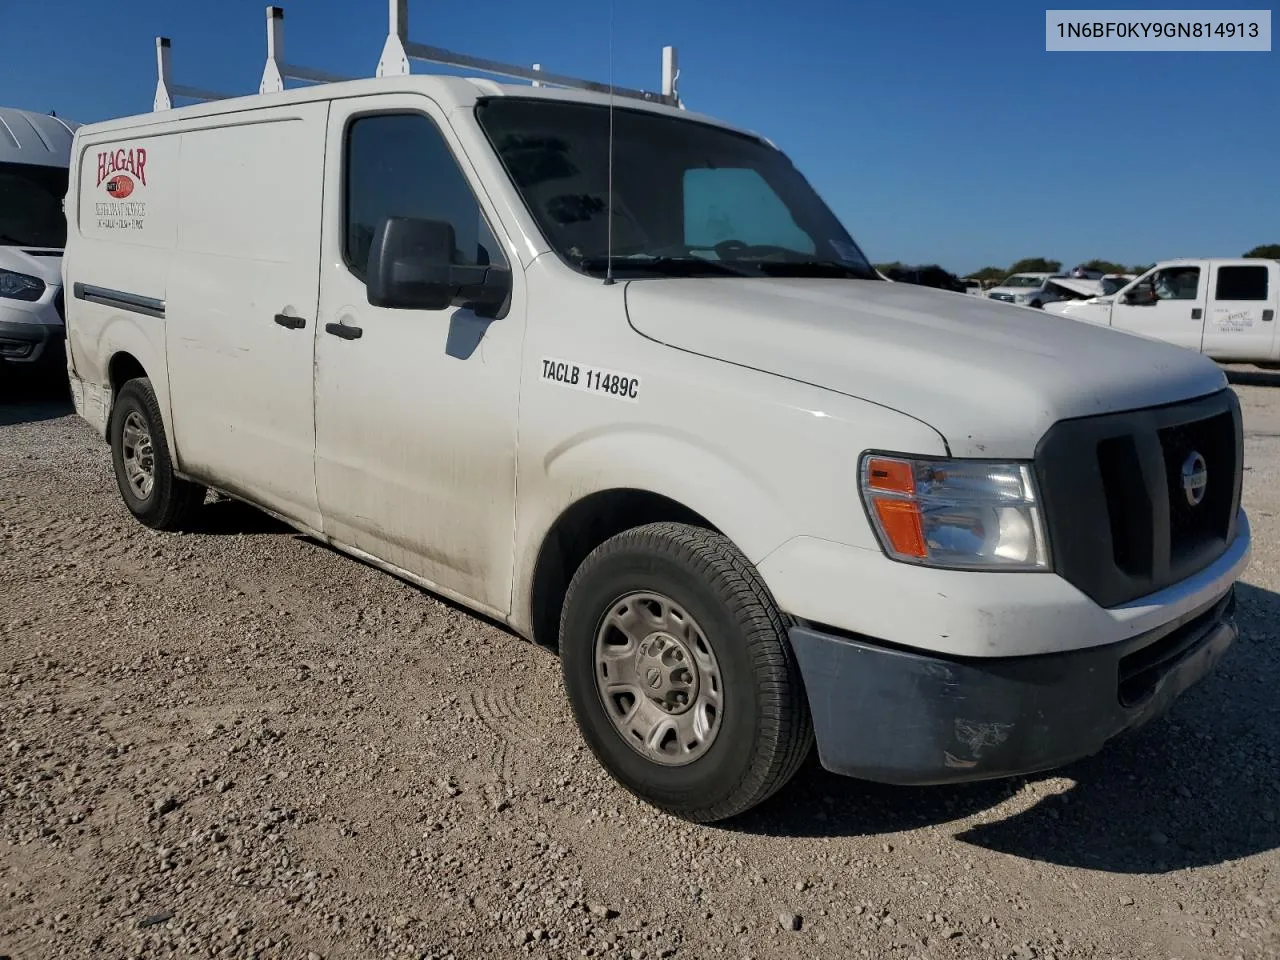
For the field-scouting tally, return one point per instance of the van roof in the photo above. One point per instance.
(35, 138)
(450, 92)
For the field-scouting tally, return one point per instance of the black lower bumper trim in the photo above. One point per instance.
(901, 716)
(31, 343)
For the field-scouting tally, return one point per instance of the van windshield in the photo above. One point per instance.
(689, 198)
(31, 205)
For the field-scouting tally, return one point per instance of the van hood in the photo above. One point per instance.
(989, 377)
(42, 262)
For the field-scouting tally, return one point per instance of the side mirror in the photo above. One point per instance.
(412, 267)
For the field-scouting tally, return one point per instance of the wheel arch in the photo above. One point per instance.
(131, 354)
(121, 368)
(581, 527)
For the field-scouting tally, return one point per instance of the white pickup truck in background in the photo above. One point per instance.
(1225, 309)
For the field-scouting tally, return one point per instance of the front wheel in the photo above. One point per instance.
(679, 672)
(140, 454)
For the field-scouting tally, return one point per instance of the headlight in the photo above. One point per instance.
(19, 286)
(961, 514)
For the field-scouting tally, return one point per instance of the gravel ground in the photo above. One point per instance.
(238, 743)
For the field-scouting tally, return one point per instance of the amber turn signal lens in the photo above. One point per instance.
(900, 521)
(890, 476)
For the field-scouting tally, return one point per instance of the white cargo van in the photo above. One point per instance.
(680, 430)
(1225, 309)
(34, 152)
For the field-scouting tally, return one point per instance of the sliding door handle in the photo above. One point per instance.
(344, 331)
(293, 323)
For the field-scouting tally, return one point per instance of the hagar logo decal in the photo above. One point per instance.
(120, 186)
(132, 161)
(121, 174)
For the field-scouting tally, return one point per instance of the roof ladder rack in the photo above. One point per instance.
(166, 89)
(397, 53)
(399, 50)
(277, 71)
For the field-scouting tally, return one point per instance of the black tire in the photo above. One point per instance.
(766, 731)
(172, 502)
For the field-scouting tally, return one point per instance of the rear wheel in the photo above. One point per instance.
(140, 454)
(679, 672)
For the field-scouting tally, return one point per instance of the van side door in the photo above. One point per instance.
(415, 409)
(241, 304)
(1166, 304)
(1241, 319)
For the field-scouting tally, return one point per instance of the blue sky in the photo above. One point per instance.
(939, 132)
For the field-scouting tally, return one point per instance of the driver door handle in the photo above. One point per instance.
(293, 323)
(344, 331)
(1196, 313)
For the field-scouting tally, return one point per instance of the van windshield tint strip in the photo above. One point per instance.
(689, 198)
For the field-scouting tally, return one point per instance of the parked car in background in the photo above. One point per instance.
(1026, 289)
(1112, 282)
(1223, 308)
(972, 285)
(35, 150)
(1045, 290)
(1084, 273)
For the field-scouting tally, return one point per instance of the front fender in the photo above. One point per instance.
(788, 474)
(719, 484)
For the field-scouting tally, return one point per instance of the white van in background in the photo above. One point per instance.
(35, 149)
(662, 414)
(1223, 308)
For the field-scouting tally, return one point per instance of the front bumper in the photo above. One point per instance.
(902, 716)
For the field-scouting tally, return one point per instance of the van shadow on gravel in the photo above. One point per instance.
(225, 517)
(25, 398)
(1193, 788)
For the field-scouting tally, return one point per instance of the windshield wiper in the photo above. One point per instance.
(664, 266)
(811, 268)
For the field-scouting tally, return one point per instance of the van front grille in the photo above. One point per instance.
(1121, 522)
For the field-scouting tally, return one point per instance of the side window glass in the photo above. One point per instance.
(1241, 283)
(1177, 283)
(727, 203)
(399, 165)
